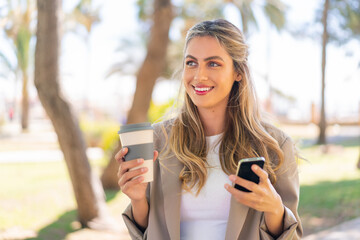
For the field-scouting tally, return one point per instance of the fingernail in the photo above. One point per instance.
(232, 178)
(255, 167)
(226, 186)
(143, 169)
(140, 160)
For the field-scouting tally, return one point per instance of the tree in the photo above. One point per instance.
(17, 27)
(274, 11)
(89, 194)
(149, 72)
(154, 62)
(345, 16)
(322, 123)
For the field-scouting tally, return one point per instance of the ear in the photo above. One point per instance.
(238, 77)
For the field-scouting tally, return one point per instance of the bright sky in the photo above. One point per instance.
(293, 65)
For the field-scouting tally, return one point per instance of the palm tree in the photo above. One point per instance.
(89, 194)
(17, 27)
(346, 13)
(149, 72)
(82, 15)
(274, 11)
(322, 123)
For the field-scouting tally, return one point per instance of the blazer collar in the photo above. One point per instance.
(171, 186)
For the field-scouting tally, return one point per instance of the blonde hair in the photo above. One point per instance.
(244, 134)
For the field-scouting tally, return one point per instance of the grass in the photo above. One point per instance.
(25, 189)
(39, 197)
(330, 187)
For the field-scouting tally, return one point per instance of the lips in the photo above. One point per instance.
(202, 90)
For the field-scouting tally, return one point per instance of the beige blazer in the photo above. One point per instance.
(164, 196)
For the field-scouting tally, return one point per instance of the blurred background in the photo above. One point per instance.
(115, 65)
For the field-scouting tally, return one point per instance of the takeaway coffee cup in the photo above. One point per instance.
(138, 138)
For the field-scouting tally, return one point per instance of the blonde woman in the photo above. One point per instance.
(192, 195)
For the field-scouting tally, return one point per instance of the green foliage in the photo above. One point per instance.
(145, 9)
(23, 47)
(343, 20)
(347, 14)
(156, 112)
(275, 13)
(100, 134)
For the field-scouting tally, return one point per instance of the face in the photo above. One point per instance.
(208, 73)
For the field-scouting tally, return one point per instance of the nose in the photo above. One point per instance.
(201, 74)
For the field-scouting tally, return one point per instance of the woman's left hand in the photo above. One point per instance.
(263, 197)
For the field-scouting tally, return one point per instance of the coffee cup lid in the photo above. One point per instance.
(135, 127)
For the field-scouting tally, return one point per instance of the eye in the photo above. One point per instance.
(214, 64)
(190, 63)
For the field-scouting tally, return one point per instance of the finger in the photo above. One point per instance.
(156, 154)
(131, 183)
(246, 198)
(243, 182)
(261, 173)
(239, 195)
(236, 193)
(131, 175)
(119, 155)
(126, 166)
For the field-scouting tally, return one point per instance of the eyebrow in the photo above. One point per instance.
(206, 59)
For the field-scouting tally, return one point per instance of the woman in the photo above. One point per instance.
(192, 195)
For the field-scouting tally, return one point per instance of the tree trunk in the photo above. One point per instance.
(25, 102)
(322, 123)
(150, 70)
(89, 194)
(109, 178)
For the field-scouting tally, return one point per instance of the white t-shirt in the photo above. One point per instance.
(205, 216)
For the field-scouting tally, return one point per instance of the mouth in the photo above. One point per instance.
(202, 90)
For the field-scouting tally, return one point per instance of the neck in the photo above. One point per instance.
(213, 121)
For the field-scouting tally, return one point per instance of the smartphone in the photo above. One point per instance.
(244, 170)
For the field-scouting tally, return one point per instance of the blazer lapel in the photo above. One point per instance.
(236, 220)
(171, 186)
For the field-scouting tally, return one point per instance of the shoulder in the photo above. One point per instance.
(280, 136)
(163, 127)
(162, 132)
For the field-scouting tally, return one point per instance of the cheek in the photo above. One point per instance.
(187, 77)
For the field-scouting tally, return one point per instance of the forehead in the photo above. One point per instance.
(203, 47)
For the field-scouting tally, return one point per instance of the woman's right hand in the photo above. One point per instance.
(133, 187)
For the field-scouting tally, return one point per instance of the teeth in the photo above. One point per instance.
(202, 89)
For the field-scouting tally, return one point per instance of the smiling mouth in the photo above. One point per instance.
(202, 90)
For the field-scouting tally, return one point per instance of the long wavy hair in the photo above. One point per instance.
(244, 135)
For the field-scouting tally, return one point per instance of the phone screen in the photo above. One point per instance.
(244, 171)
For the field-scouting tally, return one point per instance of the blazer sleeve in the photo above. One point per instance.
(134, 230)
(287, 186)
